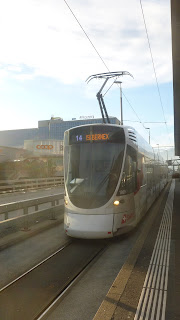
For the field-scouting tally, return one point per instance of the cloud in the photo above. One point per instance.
(45, 37)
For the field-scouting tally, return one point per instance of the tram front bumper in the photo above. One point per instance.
(88, 226)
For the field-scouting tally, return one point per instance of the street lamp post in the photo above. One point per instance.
(121, 109)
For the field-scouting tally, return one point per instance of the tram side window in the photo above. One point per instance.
(129, 175)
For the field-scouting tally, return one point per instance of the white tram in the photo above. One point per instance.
(112, 177)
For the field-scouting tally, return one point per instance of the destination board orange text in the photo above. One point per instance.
(44, 146)
(103, 136)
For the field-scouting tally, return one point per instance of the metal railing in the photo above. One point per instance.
(27, 184)
(25, 218)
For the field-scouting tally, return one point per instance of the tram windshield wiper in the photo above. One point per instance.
(106, 177)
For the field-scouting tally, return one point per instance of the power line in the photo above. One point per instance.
(154, 122)
(160, 147)
(142, 123)
(146, 121)
(132, 121)
(132, 109)
(87, 36)
(98, 54)
(154, 67)
(109, 87)
(101, 59)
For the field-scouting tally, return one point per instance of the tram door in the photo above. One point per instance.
(129, 181)
(151, 192)
(142, 185)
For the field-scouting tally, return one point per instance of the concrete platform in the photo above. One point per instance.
(173, 293)
(148, 285)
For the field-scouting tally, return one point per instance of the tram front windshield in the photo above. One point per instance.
(93, 163)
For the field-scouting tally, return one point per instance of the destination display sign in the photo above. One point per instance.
(103, 136)
(96, 134)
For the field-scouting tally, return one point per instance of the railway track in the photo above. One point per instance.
(32, 295)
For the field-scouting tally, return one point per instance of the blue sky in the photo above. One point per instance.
(45, 59)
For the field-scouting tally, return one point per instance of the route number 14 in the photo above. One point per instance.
(79, 138)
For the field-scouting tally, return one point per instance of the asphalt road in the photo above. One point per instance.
(18, 196)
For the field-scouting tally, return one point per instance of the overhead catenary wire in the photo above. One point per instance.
(154, 122)
(145, 121)
(102, 59)
(157, 84)
(109, 88)
(87, 36)
(152, 138)
(133, 109)
(98, 54)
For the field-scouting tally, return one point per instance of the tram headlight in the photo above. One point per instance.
(116, 203)
(66, 202)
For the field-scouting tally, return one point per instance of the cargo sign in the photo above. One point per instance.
(44, 147)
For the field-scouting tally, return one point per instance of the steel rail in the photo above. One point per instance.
(71, 283)
(36, 266)
(90, 255)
